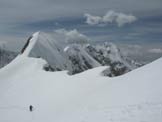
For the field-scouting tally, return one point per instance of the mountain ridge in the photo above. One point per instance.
(87, 96)
(76, 57)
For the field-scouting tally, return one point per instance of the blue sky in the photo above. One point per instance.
(20, 18)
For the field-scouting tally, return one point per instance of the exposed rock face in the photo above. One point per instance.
(26, 45)
(108, 54)
(80, 60)
(76, 58)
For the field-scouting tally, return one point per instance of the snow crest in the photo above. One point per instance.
(76, 57)
(84, 97)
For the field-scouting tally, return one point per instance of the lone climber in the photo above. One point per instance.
(30, 108)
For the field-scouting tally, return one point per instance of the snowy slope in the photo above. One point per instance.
(44, 46)
(58, 57)
(62, 54)
(84, 97)
(80, 59)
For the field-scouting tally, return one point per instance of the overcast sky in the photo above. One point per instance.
(20, 18)
(26, 11)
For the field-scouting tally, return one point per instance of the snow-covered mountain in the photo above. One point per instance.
(109, 55)
(6, 57)
(80, 59)
(85, 97)
(75, 57)
(46, 47)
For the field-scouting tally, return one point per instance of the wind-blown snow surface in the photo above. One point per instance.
(42, 45)
(84, 97)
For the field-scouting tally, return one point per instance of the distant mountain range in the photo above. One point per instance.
(6, 56)
(77, 57)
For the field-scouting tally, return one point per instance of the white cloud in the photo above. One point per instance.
(110, 17)
(123, 19)
(92, 20)
(155, 50)
(73, 36)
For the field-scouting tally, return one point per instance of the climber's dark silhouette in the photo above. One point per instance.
(30, 108)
